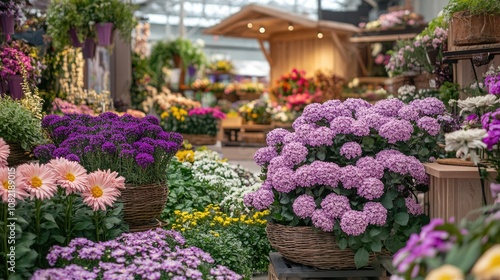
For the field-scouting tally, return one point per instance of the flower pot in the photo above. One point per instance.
(143, 205)
(3, 87)
(17, 155)
(75, 42)
(475, 29)
(15, 87)
(309, 246)
(7, 22)
(88, 48)
(104, 33)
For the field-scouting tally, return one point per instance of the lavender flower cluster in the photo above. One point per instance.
(490, 121)
(108, 140)
(329, 151)
(155, 254)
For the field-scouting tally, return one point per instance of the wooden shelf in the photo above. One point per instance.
(376, 80)
(382, 38)
(454, 171)
(480, 55)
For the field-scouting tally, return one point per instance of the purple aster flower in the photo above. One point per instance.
(275, 136)
(409, 113)
(126, 147)
(283, 180)
(264, 155)
(60, 132)
(125, 153)
(97, 140)
(152, 119)
(118, 138)
(108, 147)
(413, 207)
(144, 160)
(312, 112)
(429, 106)
(351, 150)
(304, 206)
(388, 107)
(341, 125)
(370, 167)
(44, 152)
(360, 128)
(50, 121)
(108, 116)
(335, 205)
(146, 148)
(322, 136)
(73, 157)
(430, 125)
(87, 149)
(371, 188)
(351, 177)
(294, 152)
(376, 213)
(396, 130)
(354, 222)
(321, 220)
(60, 152)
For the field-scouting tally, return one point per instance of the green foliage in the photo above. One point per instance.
(472, 7)
(141, 77)
(118, 12)
(18, 125)
(449, 91)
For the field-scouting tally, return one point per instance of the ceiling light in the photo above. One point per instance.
(249, 25)
(262, 29)
(290, 27)
(320, 35)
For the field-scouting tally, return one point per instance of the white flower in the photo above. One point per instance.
(472, 103)
(406, 90)
(465, 143)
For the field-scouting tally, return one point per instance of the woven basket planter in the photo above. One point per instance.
(247, 95)
(17, 155)
(200, 139)
(309, 246)
(475, 29)
(143, 205)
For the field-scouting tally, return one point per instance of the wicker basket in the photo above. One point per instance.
(17, 155)
(475, 29)
(200, 139)
(309, 246)
(248, 95)
(143, 205)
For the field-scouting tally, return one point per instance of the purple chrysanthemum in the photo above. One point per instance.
(335, 205)
(375, 213)
(354, 222)
(371, 188)
(430, 125)
(321, 220)
(304, 206)
(351, 150)
(144, 160)
(264, 155)
(73, 157)
(396, 130)
(108, 147)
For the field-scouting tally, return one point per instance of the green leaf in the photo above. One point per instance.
(375, 232)
(387, 202)
(376, 246)
(471, 255)
(49, 217)
(342, 243)
(368, 142)
(82, 225)
(361, 258)
(321, 155)
(59, 238)
(402, 218)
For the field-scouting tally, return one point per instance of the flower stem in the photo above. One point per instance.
(68, 218)
(96, 225)
(38, 210)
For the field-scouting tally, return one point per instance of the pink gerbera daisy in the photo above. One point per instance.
(101, 191)
(4, 152)
(118, 180)
(39, 180)
(70, 175)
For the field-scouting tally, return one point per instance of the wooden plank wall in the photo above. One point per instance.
(310, 55)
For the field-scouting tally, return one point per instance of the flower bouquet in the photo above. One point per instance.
(256, 111)
(223, 66)
(296, 91)
(351, 170)
(137, 149)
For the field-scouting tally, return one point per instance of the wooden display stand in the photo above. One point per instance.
(454, 191)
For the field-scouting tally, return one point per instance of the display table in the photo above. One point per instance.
(454, 191)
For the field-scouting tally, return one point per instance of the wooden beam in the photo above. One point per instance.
(382, 38)
(266, 53)
(339, 44)
(257, 22)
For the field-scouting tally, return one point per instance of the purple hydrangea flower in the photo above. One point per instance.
(303, 132)
(413, 207)
(108, 147)
(351, 150)
(370, 167)
(262, 199)
(335, 205)
(298, 122)
(294, 152)
(322, 136)
(275, 136)
(264, 155)
(276, 163)
(396, 130)
(360, 128)
(341, 125)
(429, 106)
(430, 125)
(144, 160)
(312, 112)
(304, 206)
(351, 177)
(355, 104)
(376, 213)
(388, 107)
(318, 173)
(409, 113)
(371, 188)
(283, 180)
(354, 222)
(330, 112)
(374, 120)
(321, 220)
(417, 170)
(293, 137)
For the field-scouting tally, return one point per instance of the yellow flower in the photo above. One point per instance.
(488, 265)
(445, 272)
(164, 115)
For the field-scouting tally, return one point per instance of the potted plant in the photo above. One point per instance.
(474, 22)
(65, 23)
(10, 14)
(137, 149)
(20, 129)
(13, 61)
(109, 15)
(256, 112)
(347, 178)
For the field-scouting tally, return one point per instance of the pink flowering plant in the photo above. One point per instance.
(12, 60)
(353, 169)
(193, 121)
(12, 8)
